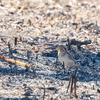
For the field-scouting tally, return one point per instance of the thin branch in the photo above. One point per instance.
(44, 93)
(18, 62)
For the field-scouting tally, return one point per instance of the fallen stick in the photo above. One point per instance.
(18, 62)
(20, 10)
(4, 9)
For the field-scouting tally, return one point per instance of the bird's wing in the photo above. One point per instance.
(70, 57)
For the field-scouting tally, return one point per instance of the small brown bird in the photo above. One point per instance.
(65, 57)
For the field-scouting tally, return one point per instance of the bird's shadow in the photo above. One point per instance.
(91, 74)
(86, 76)
(88, 62)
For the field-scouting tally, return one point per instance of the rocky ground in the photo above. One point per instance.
(41, 25)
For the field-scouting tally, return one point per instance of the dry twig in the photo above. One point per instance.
(18, 62)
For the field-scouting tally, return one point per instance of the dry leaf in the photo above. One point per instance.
(67, 10)
(33, 48)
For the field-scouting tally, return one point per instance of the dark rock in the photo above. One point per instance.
(98, 54)
(48, 14)
(74, 24)
(68, 6)
(98, 90)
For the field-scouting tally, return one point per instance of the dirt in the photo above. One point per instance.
(39, 27)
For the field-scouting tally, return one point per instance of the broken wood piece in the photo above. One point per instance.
(4, 9)
(29, 22)
(78, 43)
(75, 42)
(44, 93)
(18, 62)
(20, 10)
(15, 41)
(10, 50)
(69, 44)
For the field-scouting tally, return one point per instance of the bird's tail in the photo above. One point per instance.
(78, 67)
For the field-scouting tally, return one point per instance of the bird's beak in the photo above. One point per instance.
(58, 48)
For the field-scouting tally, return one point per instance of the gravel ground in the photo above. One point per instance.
(40, 26)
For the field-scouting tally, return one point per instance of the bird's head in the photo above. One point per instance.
(61, 48)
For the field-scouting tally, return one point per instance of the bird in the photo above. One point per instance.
(65, 57)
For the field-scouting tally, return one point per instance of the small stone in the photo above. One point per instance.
(98, 90)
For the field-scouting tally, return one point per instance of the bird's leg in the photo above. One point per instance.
(75, 87)
(68, 85)
(72, 83)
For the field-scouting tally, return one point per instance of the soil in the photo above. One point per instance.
(39, 26)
